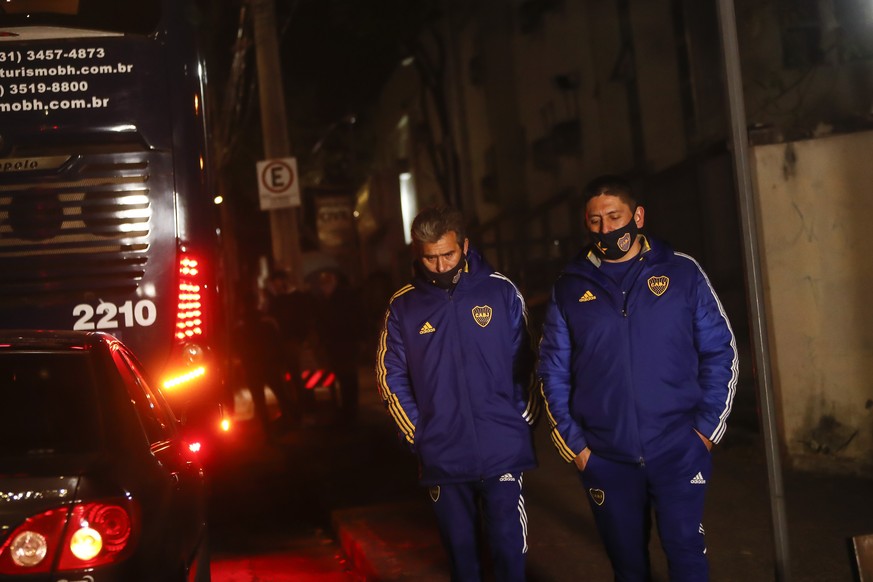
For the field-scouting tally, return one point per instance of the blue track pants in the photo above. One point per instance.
(499, 504)
(623, 497)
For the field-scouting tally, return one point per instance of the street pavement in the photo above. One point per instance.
(396, 539)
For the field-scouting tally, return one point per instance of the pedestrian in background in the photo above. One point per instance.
(638, 367)
(455, 370)
(339, 316)
(293, 309)
(259, 349)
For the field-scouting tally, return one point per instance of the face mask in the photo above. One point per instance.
(445, 280)
(614, 245)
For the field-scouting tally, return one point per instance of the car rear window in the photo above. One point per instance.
(49, 404)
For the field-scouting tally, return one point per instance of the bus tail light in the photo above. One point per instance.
(189, 310)
(184, 377)
(188, 364)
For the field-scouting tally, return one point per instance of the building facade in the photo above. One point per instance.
(535, 97)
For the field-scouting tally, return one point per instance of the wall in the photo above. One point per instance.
(814, 208)
(547, 104)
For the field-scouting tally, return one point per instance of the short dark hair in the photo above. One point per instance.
(612, 185)
(432, 223)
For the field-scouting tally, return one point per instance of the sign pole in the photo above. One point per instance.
(284, 221)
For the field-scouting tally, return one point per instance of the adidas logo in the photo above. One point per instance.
(507, 477)
(587, 296)
(426, 328)
(698, 480)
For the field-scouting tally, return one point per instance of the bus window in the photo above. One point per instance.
(40, 6)
(141, 17)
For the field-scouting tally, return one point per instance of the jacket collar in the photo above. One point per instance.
(594, 258)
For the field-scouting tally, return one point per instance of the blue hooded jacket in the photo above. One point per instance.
(455, 371)
(631, 375)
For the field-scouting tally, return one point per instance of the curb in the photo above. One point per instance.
(395, 541)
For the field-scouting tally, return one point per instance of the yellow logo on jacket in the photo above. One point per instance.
(482, 315)
(658, 285)
(587, 296)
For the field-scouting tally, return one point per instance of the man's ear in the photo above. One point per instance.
(466, 245)
(640, 216)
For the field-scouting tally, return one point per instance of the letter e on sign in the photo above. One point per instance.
(277, 183)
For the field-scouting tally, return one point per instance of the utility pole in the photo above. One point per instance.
(284, 222)
(754, 281)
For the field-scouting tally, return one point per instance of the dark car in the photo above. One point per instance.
(97, 482)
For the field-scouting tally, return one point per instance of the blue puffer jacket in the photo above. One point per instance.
(629, 376)
(455, 370)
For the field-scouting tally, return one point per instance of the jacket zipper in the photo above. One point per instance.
(625, 315)
(465, 386)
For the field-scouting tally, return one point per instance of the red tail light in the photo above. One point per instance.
(32, 546)
(189, 311)
(188, 363)
(95, 534)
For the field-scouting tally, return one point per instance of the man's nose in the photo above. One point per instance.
(443, 265)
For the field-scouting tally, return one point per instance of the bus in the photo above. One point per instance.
(107, 220)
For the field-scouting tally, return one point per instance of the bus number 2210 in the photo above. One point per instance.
(111, 316)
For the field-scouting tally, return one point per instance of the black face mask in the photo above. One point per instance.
(614, 245)
(445, 280)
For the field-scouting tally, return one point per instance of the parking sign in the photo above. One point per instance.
(278, 186)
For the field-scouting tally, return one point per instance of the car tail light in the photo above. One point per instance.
(98, 533)
(32, 546)
(86, 536)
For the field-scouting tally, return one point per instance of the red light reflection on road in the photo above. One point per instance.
(287, 566)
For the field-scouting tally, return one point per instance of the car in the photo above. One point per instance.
(98, 481)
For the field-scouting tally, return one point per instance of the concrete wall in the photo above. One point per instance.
(815, 205)
(516, 94)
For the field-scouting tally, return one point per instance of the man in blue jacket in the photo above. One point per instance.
(455, 370)
(638, 367)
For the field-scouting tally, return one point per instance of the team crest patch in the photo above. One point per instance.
(482, 315)
(624, 243)
(658, 285)
(435, 493)
(597, 495)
